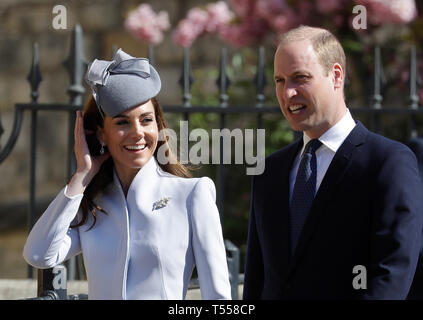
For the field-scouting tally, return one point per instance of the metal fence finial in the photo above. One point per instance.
(76, 65)
(260, 78)
(414, 98)
(223, 81)
(151, 54)
(34, 76)
(186, 79)
(377, 97)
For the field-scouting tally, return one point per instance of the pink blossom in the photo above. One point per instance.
(185, 34)
(200, 21)
(198, 17)
(162, 20)
(303, 11)
(268, 9)
(280, 23)
(393, 11)
(235, 35)
(144, 24)
(242, 8)
(191, 27)
(219, 14)
(255, 19)
(246, 33)
(339, 20)
(328, 6)
(284, 21)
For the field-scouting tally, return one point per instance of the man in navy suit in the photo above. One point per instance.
(338, 213)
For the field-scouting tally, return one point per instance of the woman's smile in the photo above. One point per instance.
(131, 138)
(137, 148)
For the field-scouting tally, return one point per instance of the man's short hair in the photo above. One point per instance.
(327, 47)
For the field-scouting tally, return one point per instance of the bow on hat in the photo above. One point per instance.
(122, 83)
(100, 70)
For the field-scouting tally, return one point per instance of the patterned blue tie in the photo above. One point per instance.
(304, 190)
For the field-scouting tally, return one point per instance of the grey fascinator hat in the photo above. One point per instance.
(122, 83)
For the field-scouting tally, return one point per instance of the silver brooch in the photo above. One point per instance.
(161, 203)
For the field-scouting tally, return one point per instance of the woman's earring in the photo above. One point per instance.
(102, 148)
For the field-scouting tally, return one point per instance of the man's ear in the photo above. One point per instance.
(338, 76)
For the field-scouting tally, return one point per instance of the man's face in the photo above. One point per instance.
(309, 99)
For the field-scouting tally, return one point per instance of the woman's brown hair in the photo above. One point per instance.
(92, 120)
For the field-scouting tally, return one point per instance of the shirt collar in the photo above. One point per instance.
(335, 136)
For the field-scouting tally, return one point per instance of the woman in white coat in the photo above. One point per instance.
(140, 223)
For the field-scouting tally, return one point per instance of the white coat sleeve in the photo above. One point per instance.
(51, 241)
(208, 245)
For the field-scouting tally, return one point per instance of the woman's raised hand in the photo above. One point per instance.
(87, 165)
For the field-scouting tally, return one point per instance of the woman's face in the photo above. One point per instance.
(131, 137)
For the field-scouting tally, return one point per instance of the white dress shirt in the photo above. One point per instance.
(145, 247)
(331, 141)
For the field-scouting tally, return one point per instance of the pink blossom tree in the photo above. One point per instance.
(199, 21)
(146, 25)
(248, 22)
(386, 11)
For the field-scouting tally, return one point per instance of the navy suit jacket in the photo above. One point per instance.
(367, 211)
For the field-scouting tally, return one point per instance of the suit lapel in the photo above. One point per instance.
(273, 201)
(334, 175)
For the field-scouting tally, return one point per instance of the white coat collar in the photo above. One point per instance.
(142, 181)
